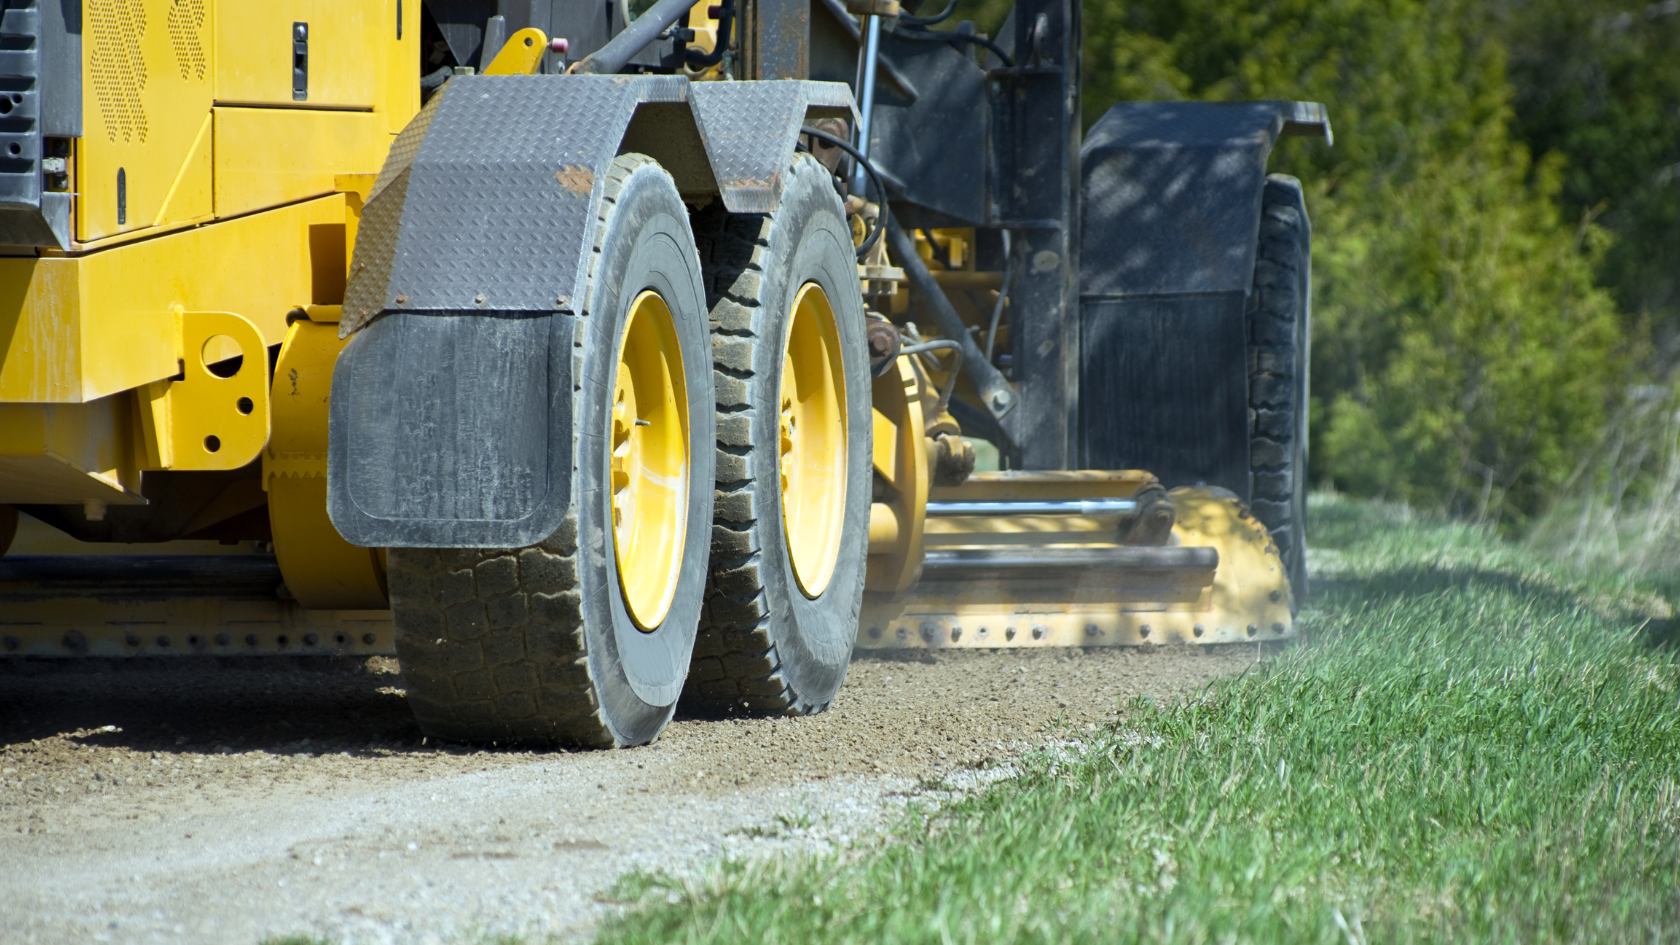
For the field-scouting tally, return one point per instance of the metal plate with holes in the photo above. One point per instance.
(170, 605)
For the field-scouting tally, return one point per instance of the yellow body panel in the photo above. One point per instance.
(70, 452)
(192, 196)
(81, 328)
(155, 70)
(254, 170)
(254, 51)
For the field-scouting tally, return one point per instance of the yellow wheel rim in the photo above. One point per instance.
(649, 461)
(813, 440)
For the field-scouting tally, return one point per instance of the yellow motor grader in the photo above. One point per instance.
(591, 358)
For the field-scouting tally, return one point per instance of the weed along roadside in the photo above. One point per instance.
(1471, 746)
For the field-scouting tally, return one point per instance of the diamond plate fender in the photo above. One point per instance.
(486, 198)
(449, 423)
(750, 129)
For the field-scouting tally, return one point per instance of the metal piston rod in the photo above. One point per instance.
(1050, 507)
(964, 563)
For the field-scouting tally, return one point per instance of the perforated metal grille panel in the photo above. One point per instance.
(186, 26)
(118, 65)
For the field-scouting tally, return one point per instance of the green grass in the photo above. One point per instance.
(1473, 746)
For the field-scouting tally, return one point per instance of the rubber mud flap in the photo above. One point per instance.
(452, 430)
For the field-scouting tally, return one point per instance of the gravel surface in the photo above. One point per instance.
(196, 803)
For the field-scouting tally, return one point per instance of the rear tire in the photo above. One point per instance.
(538, 645)
(769, 644)
(1280, 336)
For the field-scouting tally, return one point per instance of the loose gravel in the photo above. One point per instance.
(196, 803)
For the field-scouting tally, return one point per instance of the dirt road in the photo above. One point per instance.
(215, 805)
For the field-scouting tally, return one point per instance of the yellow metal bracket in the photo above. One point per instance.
(520, 55)
(321, 569)
(214, 413)
(901, 472)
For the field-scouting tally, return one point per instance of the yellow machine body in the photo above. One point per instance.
(210, 202)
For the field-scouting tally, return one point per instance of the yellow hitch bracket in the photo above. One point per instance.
(521, 54)
(214, 413)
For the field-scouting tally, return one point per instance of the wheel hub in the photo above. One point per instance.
(650, 461)
(813, 440)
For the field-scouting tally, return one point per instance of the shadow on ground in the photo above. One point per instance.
(210, 706)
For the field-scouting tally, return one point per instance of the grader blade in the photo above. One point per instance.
(1038, 559)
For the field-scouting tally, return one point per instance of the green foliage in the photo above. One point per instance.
(1472, 750)
(1462, 356)
(1598, 82)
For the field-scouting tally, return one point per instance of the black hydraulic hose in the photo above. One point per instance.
(432, 80)
(874, 178)
(726, 18)
(946, 36)
(941, 17)
(617, 53)
(940, 344)
(995, 392)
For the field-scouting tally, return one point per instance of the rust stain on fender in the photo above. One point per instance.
(576, 178)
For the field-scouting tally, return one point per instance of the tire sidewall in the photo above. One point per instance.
(814, 637)
(647, 245)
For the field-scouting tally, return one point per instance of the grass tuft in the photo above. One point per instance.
(1475, 746)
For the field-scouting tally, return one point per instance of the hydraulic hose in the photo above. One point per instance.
(874, 178)
(617, 53)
